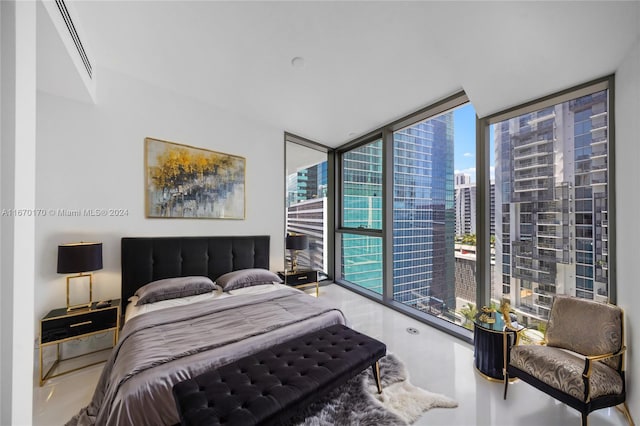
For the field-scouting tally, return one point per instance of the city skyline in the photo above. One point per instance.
(551, 207)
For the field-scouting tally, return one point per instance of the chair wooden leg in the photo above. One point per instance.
(624, 408)
(376, 374)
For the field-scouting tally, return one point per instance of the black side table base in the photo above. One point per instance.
(491, 347)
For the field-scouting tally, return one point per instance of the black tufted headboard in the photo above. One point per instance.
(153, 258)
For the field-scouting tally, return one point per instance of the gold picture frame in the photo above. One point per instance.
(183, 181)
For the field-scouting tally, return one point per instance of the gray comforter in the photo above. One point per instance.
(158, 349)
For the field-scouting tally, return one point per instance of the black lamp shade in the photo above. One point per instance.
(297, 242)
(79, 257)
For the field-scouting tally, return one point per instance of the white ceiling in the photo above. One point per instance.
(366, 63)
(56, 70)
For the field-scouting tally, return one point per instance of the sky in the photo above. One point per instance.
(464, 145)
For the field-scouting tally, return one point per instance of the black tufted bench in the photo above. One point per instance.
(273, 385)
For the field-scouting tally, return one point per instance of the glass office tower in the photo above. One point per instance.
(424, 216)
(362, 209)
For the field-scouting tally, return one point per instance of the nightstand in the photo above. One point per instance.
(60, 326)
(301, 279)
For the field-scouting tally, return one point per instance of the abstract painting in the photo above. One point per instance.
(187, 182)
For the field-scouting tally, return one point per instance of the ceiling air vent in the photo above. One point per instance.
(62, 7)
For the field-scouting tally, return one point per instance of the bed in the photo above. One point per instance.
(176, 338)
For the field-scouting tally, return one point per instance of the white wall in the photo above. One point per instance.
(627, 104)
(17, 152)
(92, 156)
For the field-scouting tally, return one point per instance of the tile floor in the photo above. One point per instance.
(436, 362)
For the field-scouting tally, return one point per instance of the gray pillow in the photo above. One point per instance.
(246, 278)
(172, 288)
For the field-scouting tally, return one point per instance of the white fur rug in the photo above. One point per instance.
(409, 402)
(357, 402)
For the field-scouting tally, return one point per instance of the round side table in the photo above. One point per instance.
(491, 346)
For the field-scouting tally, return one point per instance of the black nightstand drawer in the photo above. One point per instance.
(68, 326)
(298, 278)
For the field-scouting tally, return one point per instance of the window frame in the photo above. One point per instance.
(483, 206)
(386, 233)
(483, 145)
(329, 220)
(340, 229)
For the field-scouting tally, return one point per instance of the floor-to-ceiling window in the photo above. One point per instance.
(398, 235)
(436, 221)
(427, 155)
(553, 183)
(361, 213)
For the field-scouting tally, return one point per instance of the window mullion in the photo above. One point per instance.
(387, 214)
(483, 216)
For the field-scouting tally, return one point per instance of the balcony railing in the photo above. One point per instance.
(528, 275)
(531, 163)
(538, 185)
(543, 302)
(552, 256)
(532, 196)
(531, 140)
(537, 151)
(549, 234)
(550, 245)
(546, 220)
(547, 290)
(547, 278)
(545, 172)
(547, 269)
(523, 274)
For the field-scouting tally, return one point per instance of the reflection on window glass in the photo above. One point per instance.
(362, 261)
(362, 187)
(307, 203)
(552, 230)
(431, 272)
(362, 209)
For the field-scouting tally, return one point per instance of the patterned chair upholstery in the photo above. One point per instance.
(582, 360)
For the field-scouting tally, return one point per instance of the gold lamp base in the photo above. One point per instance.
(294, 261)
(73, 299)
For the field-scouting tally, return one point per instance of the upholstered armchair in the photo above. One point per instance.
(581, 361)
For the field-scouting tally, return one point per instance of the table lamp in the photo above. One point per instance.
(81, 259)
(295, 243)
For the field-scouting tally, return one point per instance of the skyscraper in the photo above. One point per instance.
(424, 216)
(466, 204)
(362, 208)
(462, 179)
(552, 202)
